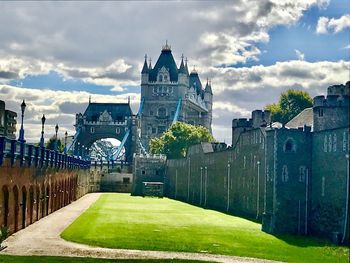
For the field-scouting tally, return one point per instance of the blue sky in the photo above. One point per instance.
(252, 51)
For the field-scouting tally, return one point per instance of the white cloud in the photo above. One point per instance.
(327, 25)
(322, 25)
(299, 54)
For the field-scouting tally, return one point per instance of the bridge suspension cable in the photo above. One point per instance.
(178, 108)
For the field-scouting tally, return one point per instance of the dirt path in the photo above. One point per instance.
(43, 238)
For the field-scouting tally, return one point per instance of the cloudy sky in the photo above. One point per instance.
(54, 55)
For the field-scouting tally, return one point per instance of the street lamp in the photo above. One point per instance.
(56, 130)
(21, 131)
(65, 142)
(42, 131)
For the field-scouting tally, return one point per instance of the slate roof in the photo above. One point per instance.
(165, 59)
(303, 118)
(195, 81)
(145, 68)
(117, 110)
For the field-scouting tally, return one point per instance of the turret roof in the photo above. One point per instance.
(145, 67)
(208, 88)
(195, 81)
(166, 60)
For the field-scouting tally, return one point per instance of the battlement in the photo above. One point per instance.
(333, 100)
(339, 89)
(241, 123)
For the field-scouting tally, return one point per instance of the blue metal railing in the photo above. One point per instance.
(28, 155)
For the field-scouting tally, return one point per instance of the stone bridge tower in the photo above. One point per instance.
(171, 92)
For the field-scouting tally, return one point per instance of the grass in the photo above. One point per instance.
(123, 221)
(44, 259)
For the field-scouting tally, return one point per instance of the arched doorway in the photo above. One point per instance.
(15, 207)
(5, 205)
(37, 202)
(47, 199)
(31, 204)
(42, 201)
(24, 206)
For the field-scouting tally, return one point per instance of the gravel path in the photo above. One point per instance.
(43, 238)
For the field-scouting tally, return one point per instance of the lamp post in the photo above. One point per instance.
(65, 142)
(56, 130)
(258, 191)
(21, 131)
(42, 132)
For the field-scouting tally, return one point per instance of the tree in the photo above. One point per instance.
(290, 104)
(176, 140)
(50, 144)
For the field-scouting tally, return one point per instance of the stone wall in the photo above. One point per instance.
(329, 179)
(231, 180)
(32, 187)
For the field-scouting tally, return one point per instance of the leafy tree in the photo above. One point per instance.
(50, 144)
(176, 140)
(290, 104)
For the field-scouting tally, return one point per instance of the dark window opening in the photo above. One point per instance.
(143, 172)
(126, 180)
(320, 112)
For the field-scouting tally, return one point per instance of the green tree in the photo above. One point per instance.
(176, 140)
(50, 144)
(290, 104)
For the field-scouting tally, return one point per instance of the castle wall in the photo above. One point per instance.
(231, 180)
(288, 181)
(31, 188)
(329, 175)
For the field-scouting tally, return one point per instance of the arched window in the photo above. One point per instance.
(289, 146)
(160, 78)
(92, 130)
(162, 112)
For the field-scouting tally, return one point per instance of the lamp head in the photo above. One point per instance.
(23, 106)
(43, 119)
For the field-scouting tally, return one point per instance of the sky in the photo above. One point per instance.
(56, 54)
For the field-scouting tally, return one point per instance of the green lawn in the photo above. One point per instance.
(44, 259)
(123, 221)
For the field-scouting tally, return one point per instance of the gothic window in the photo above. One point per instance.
(330, 143)
(155, 89)
(284, 174)
(320, 112)
(170, 89)
(334, 142)
(325, 143)
(165, 78)
(289, 146)
(161, 129)
(162, 112)
(323, 186)
(344, 141)
(302, 172)
(244, 162)
(117, 130)
(160, 78)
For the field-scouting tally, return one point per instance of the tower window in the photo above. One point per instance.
(285, 173)
(160, 78)
(92, 130)
(161, 112)
(320, 112)
(289, 146)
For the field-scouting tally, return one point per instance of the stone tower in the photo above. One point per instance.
(165, 88)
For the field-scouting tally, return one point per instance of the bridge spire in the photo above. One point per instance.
(89, 99)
